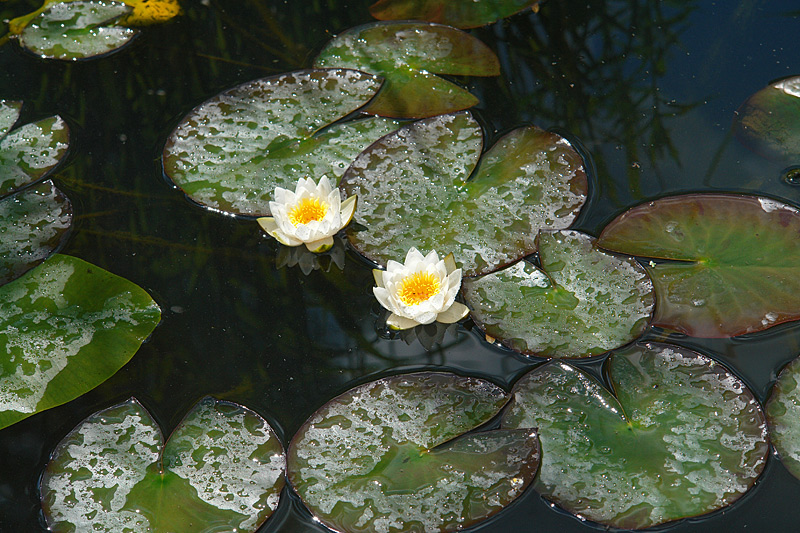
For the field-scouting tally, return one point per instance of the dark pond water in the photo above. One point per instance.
(648, 88)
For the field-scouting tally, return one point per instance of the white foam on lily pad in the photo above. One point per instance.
(29, 151)
(9, 113)
(96, 465)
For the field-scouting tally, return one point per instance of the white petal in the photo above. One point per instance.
(454, 313)
(432, 257)
(285, 239)
(393, 266)
(320, 245)
(378, 275)
(382, 295)
(413, 257)
(398, 322)
(268, 224)
(282, 195)
(348, 209)
(324, 188)
(450, 263)
(426, 318)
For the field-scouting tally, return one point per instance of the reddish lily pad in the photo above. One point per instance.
(29, 152)
(783, 413)
(408, 56)
(33, 224)
(458, 13)
(769, 121)
(391, 455)
(231, 152)
(221, 470)
(734, 261)
(680, 437)
(414, 190)
(582, 302)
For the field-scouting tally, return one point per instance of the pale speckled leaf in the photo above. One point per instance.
(387, 456)
(221, 470)
(33, 224)
(77, 30)
(9, 113)
(413, 191)
(582, 301)
(682, 437)
(783, 414)
(769, 121)
(458, 13)
(29, 152)
(65, 327)
(231, 152)
(733, 260)
(409, 55)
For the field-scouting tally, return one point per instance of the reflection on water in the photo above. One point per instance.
(649, 89)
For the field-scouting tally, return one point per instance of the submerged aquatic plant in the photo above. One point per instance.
(310, 215)
(420, 290)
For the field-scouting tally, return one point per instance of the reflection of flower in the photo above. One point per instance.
(420, 291)
(310, 215)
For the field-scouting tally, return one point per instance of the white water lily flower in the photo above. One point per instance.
(420, 291)
(310, 215)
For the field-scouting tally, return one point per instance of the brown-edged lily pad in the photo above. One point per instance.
(230, 152)
(783, 414)
(681, 436)
(33, 224)
(221, 470)
(458, 13)
(733, 262)
(414, 190)
(391, 455)
(409, 55)
(582, 302)
(769, 121)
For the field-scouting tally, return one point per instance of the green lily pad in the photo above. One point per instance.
(734, 261)
(221, 470)
(30, 151)
(231, 152)
(413, 190)
(458, 13)
(65, 327)
(682, 437)
(769, 121)
(76, 30)
(33, 224)
(783, 414)
(408, 55)
(9, 113)
(582, 301)
(387, 456)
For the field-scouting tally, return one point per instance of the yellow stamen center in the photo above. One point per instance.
(418, 287)
(306, 210)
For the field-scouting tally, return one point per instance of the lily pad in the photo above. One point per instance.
(221, 470)
(582, 301)
(413, 191)
(9, 113)
(65, 327)
(783, 414)
(769, 121)
(30, 151)
(231, 152)
(33, 225)
(734, 261)
(681, 437)
(76, 30)
(409, 55)
(390, 456)
(458, 13)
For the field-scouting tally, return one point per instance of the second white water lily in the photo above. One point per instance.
(310, 215)
(420, 291)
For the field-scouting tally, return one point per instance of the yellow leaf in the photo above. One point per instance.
(150, 12)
